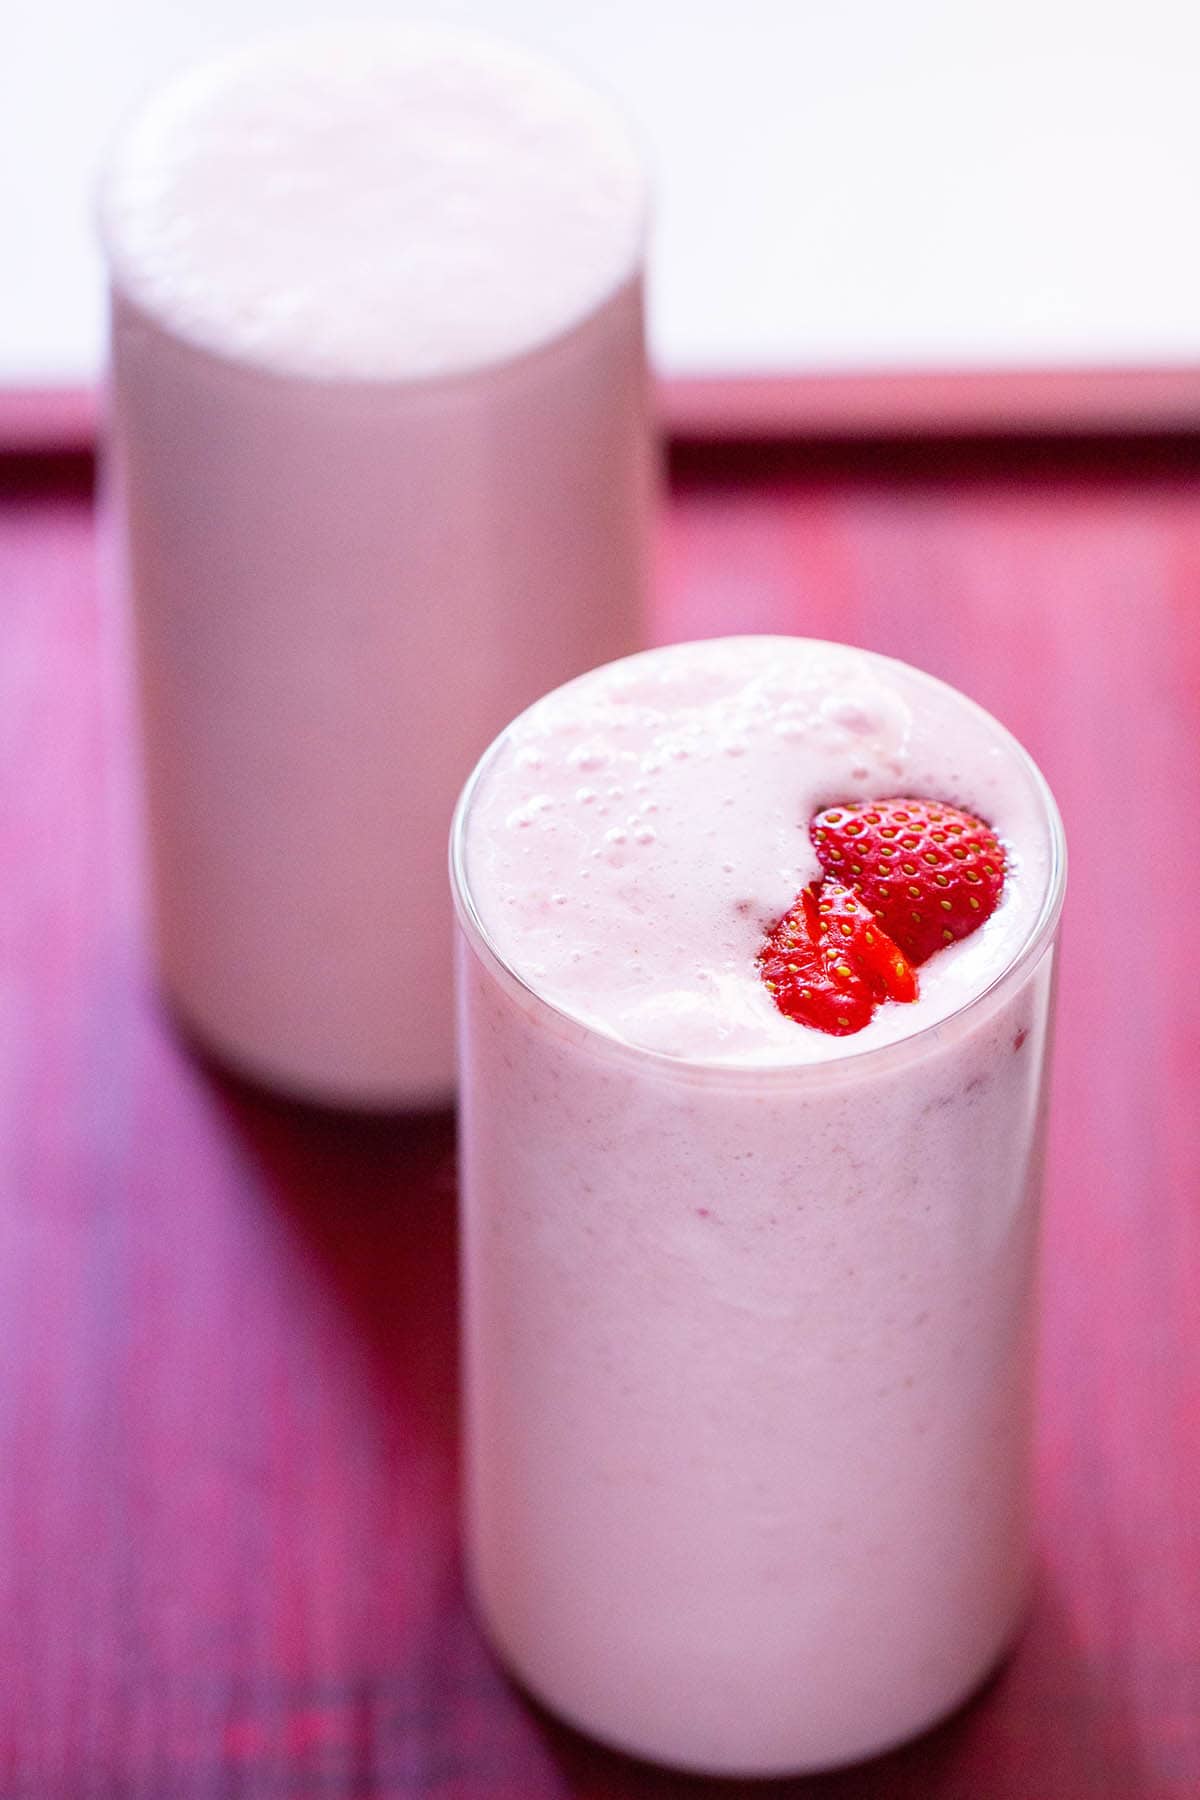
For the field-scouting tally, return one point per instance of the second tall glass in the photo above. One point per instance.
(748, 1361)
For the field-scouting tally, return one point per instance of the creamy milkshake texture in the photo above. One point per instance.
(251, 194)
(639, 830)
(748, 1306)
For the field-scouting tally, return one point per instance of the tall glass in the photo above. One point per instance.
(748, 1363)
(385, 468)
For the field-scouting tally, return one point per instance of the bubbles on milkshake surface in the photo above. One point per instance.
(685, 835)
(589, 757)
(850, 713)
(535, 808)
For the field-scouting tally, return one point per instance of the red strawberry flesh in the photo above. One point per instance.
(849, 922)
(827, 961)
(930, 873)
(808, 979)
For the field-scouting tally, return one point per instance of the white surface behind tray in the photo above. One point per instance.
(853, 187)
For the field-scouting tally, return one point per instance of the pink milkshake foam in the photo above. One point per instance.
(374, 201)
(748, 1308)
(640, 828)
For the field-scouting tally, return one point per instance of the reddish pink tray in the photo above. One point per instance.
(228, 1557)
(926, 404)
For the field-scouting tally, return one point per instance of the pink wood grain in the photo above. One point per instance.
(227, 1442)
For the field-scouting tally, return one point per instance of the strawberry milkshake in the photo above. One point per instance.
(386, 466)
(756, 971)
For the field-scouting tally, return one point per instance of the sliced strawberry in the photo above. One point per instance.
(828, 961)
(930, 873)
(848, 922)
(808, 977)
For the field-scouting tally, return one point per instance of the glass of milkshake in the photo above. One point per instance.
(755, 987)
(384, 469)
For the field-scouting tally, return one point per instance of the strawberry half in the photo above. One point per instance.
(827, 961)
(849, 924)
(930, 873)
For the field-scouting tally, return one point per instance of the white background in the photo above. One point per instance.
(842, 184)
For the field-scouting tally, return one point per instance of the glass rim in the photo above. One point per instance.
(912, 1044)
